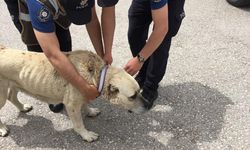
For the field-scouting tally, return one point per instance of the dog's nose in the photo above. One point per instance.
(129, 111)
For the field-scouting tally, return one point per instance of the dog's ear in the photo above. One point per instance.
(113, 89)
(91, 66)
(92, 71)
(91, 63)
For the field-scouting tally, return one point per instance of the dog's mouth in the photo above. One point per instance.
(138, 110)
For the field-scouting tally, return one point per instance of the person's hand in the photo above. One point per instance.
(133, 66)
(91, 93)
(108, 58)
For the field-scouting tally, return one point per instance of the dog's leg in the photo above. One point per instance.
(74, 112)
(3, 129)
(91, 112)
(3, 97)
(13, 99)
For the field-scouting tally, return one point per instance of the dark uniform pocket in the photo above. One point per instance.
(176, 15)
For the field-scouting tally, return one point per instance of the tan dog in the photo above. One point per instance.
(32, 73)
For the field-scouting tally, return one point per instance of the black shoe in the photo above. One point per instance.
(148, 97)
(56, 108)
(140, 81)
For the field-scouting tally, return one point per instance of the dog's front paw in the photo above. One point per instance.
(90, 136)
(4, 131)
(26, 108)
(92, 112)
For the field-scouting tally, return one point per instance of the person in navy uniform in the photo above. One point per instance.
(150, 54)
(44, 26)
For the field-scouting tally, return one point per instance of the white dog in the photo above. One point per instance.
(32, 73)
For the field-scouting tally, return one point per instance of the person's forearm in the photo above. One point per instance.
(108, 27)
(60, 62)
(154, 41)
(160, 19)
(66, 69)
(94, 31)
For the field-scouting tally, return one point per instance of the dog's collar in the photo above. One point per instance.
(102, 78)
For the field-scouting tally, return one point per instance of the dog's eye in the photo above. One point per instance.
(133, 96)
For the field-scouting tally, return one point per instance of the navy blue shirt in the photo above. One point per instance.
(156, 4)
(42, 20)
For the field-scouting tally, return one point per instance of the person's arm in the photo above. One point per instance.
(63, 65)
(94, 31)
(44, 29)
(108, 29)
(160, 20)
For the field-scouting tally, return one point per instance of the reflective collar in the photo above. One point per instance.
(102, 78)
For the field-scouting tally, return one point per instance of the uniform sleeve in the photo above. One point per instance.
(41, 18)
(107, 3)
(157, 4)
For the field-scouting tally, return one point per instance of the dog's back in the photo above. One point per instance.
(11, 62)
(33, 72)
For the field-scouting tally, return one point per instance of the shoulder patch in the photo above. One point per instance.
(43, 14)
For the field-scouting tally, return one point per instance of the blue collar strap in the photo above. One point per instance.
(102, 78)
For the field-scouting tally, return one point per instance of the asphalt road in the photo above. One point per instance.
(204, 97)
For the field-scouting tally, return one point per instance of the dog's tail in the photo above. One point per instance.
(2, 47)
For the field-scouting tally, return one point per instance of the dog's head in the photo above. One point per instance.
(122, 89)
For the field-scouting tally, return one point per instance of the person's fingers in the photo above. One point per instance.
(94, 88)
(96, 93)
(132, 72)
(126, 68)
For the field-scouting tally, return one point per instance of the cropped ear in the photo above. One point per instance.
(91, 66)
(91, 69)
(113, 89)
